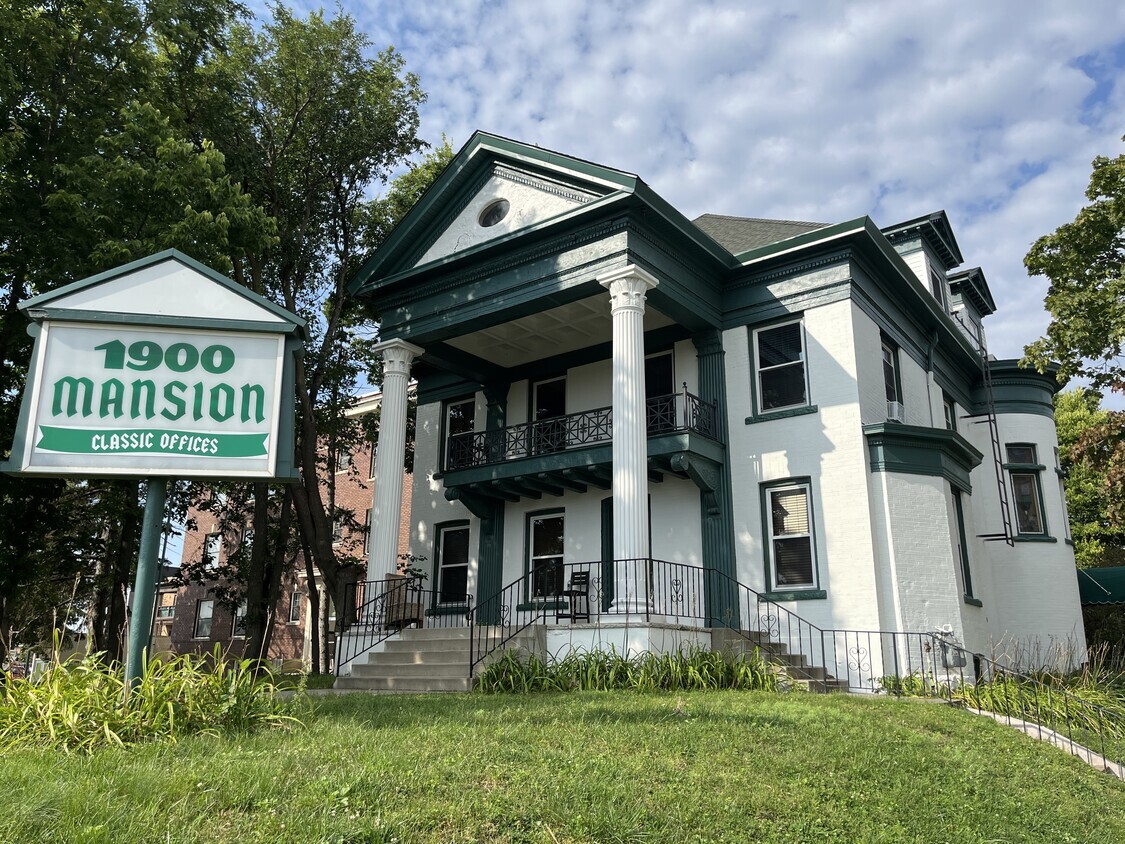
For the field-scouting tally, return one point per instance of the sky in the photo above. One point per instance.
(820, 111)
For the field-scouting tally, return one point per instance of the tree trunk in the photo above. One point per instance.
(314, 609)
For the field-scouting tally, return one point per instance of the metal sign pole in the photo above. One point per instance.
(144, 588)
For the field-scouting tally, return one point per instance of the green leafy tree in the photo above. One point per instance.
(92, 174)
(1084, 261)
(1085, 448)
(311, 122)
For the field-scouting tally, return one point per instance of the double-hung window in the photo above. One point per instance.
(295, 606)
(238, 626)
(212, 548)
(791, 550)
(204, 611)
(892, 382)
(962, 544)
(452, 563)
(545, 554)
(1024, 470)
(779, 354)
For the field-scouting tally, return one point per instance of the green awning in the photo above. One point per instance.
(1102, 586)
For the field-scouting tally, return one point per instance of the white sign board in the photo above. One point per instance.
(142, 401)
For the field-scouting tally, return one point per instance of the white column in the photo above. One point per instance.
(627, 288)
(386, 505)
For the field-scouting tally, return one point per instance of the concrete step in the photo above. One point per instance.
(437, 671)
(405, 684)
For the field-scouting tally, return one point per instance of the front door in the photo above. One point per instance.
(548, 406)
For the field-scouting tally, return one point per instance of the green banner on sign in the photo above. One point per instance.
(150, 441)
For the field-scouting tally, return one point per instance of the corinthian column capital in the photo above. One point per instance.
(397, 356)
(627, 288)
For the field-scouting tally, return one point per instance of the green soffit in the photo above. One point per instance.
(916, 450)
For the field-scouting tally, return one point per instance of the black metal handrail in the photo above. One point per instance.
(376, 610)
(680, 411)
(641, 588)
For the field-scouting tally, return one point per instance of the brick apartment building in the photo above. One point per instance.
(189, 618)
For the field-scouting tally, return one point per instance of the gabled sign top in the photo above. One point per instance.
(168, 288)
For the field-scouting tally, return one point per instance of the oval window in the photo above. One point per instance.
(494, 212)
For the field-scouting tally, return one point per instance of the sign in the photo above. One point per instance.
(131, 400)
(184, 377)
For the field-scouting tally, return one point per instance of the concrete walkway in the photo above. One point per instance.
(1094, 760)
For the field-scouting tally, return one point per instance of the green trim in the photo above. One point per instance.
(39, 302)
(1018, 390)
(1034, 537)
(796, 595)
(1069, 542)
(935, 230)
(915, 450)
(973, 602)
(756, 412)
(783, 414)
(764, 490)
(525, 567)
(206, 323)
(966, 571)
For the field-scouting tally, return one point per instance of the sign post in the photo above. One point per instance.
(162, 368)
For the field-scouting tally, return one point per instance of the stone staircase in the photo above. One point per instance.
(815, 678)
(429, 659)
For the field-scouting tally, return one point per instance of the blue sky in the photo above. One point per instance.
(817, 111)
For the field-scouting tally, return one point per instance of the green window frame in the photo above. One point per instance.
(1024, 474)
(451, 573)
(545, 554)
(458, 418)
(789, 536)
(963, 547)
(781, 377)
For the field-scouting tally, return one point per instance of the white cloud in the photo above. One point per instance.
(814, 110)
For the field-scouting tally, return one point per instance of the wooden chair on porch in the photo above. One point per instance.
(578, 590)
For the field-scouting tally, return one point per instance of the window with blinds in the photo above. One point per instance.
(792, 559)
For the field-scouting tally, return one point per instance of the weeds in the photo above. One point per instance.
(695, 670)
(79, 706)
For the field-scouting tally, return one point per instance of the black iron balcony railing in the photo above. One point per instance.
(680, 411)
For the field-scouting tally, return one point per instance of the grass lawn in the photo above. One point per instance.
(613, 767)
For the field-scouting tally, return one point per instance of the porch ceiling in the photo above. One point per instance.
(558, 330)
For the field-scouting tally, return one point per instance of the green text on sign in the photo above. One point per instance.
(150, 441)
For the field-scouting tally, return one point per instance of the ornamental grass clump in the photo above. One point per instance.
(78, 706)
(694, 670)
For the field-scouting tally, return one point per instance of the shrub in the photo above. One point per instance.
(79, 706)
(696, 669)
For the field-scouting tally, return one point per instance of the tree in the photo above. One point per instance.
(91, 174)
(1087, 461)
(309, 125)
(1084, 261)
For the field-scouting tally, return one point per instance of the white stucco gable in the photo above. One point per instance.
(530, 199)
(168, 287)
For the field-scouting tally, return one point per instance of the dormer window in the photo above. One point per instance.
(937, 284)
(493, 213)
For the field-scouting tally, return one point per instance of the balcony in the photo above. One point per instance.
(575, 452)
(674, 413)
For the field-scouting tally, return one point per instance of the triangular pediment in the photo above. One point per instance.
(461, 211)
(506, 200)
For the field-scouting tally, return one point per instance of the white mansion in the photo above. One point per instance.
(705, 420)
